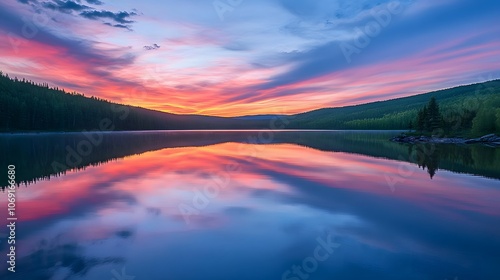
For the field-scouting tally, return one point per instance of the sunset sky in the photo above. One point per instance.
(242, 57)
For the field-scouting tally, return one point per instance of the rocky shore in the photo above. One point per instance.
(489, 140)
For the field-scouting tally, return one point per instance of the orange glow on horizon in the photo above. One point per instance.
(232, 95)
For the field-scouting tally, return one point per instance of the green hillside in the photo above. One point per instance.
(26, 106)
(459, 105)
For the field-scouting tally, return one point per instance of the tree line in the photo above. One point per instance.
(467, 110)
(28, 106)
(485, 119)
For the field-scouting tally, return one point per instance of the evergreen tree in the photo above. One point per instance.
(434, 116)
(429, 118)
(421, 119)
(425, 116)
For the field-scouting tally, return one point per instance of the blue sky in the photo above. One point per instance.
(238, 57)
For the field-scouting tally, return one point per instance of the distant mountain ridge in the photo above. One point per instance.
(26, 106)
(258, 117)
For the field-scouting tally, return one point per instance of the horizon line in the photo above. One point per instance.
(250, 115)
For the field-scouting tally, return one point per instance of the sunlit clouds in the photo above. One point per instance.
(262, 57)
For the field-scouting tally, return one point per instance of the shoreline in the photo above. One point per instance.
(201, 130)
(490, 140)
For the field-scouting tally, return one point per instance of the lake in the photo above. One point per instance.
(250, 205)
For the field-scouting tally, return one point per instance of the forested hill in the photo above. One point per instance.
(459, 105)
(26, 106)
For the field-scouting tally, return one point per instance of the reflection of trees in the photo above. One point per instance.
(470, 159)
(489, 157)
(427, 156)
(34, 155)
(463, 159)
(46, 155)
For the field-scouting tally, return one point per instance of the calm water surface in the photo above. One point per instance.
(250, 205)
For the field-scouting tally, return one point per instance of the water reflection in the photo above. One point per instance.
(43, 156)
(273, 202)
(52, 258)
